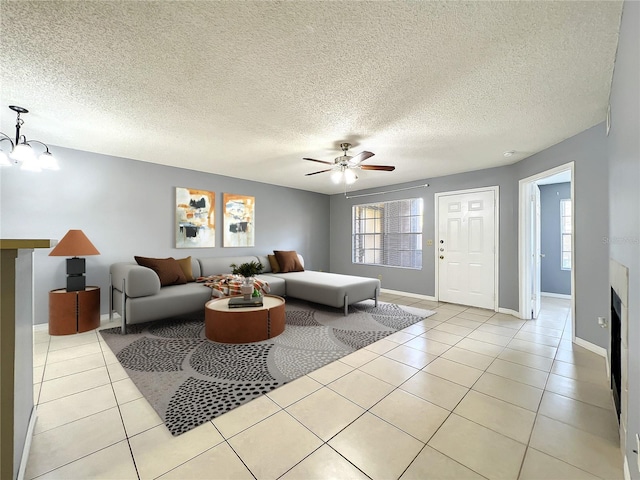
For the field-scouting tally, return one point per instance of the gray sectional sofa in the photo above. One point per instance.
(136, 294)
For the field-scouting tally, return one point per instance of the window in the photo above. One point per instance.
(388, 233)
(565, 233)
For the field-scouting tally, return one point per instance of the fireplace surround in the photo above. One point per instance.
(618, 354)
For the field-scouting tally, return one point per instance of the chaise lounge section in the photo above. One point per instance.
(332, 289)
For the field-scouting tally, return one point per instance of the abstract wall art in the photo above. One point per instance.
(239, 220)
(195, 218)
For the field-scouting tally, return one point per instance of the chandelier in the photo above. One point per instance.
(22, 152)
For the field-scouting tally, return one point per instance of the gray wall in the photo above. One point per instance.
(587, 150)
(553, 279)
(623, 146)
(126, 208)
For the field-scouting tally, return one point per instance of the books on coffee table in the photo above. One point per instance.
(240, 302)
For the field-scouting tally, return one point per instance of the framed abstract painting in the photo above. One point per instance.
(239, 220)
(195, 218)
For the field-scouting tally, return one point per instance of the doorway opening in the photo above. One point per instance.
(546, 240)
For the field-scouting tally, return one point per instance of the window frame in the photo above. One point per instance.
(563, 234)
(401, 234)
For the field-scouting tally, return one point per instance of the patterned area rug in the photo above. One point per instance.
(189, 380)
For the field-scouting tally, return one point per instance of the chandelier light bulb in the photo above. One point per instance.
(336, 176)
(22, 152)
(48, 162)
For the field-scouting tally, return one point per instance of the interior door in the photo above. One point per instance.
(537, 254)
(466, 248)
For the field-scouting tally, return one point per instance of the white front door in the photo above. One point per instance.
(466, 248)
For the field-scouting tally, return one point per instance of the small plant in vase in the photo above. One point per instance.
(248, 271)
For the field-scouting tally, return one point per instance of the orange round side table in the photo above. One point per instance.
(244, 325)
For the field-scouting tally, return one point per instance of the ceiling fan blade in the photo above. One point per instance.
(361, 157)
(315, 173)
(319, 161)
(386, 168)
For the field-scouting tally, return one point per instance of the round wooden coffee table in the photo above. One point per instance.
(244, 325)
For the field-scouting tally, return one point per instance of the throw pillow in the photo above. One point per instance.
(187, 269)
(167, 269)
(273, 261)
(288, 261)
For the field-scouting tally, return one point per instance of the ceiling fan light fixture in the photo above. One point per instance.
(350, 176)
(343, 168)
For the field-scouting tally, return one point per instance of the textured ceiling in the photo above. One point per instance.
(247, 89)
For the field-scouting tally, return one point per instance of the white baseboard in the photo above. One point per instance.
(27, 443)
(508, 311)
(591, 347)
(555, 295)
(627, 473)
(40, 326)
(407, 294)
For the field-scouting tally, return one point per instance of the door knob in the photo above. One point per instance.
(441, 257)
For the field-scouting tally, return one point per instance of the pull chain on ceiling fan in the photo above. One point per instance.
(343, 167)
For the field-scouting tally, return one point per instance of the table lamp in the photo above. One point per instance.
(74, 244)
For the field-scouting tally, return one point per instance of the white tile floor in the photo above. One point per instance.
(465, 393)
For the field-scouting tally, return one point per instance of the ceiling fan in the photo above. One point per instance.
(343, 167)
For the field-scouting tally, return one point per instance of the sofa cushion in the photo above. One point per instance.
(167, 269)
(288, 261)
(170, 301)
(273, 261)
(187, 269)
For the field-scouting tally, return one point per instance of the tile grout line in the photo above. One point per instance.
(124, 427)
(535, 420)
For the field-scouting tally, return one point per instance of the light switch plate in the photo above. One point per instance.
(638, 450)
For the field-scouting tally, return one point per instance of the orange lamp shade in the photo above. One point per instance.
(74, 244)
